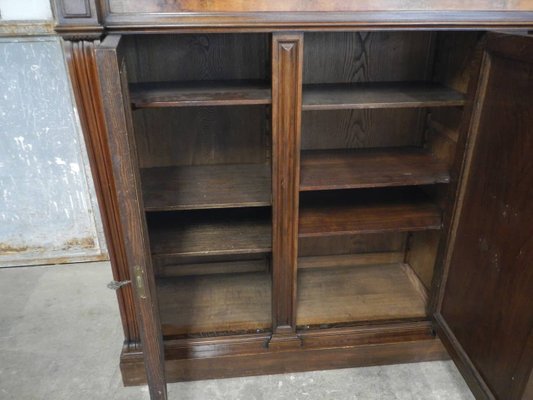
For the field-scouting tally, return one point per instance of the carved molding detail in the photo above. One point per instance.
(84, 77)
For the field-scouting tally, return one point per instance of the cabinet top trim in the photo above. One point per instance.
(146, 16)
(271, 21)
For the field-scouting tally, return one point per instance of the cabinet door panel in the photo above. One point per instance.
(126, 179)
(486, 310)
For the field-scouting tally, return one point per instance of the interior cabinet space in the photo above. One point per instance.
(217, 304)
(339, 296)
(201, 121)
(381, 113)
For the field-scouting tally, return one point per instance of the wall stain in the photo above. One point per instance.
(87, 243)
(7, 248)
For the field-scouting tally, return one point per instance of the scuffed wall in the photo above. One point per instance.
(48, 212)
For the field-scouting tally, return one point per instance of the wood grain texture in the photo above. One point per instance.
(202, 135)
(198, 57)
(215, 303)
(351, 169)
(371, 211)
(246, 356)
(365, 293)
(83, 73)
(352, 129)
(233, 345)
(356, 57)
(489, 259)
(350, 260)
(312, 21)
(337, 96)
(166, 267)
(365, 58)
(352, 244)
(208, 233)
(446, 126)
(417, 284)
(199, 93)
(206, 186)
(422, 254)
(287, 54)
(113, 85)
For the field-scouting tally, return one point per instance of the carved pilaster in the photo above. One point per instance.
(287, 55)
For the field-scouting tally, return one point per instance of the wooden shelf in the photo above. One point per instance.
(206, 186)
(367, 168)
(199, 93)
(215, 303)
(366, 211)
(358, 294)
(210, 232)
(338, 96)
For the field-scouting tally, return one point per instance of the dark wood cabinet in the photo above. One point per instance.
(295, 188)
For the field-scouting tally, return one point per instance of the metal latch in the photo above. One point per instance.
(115, 285)
(138, 280)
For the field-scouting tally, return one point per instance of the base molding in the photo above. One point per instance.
(249, 355)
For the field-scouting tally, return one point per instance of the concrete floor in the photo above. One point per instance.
(60, 338)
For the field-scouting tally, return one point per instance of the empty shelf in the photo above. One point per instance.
(337, 96)
(210, 233)
(366, 211)
(359, 294)
(366, 168)
(215, 303)
(206, 186)
(199, 93)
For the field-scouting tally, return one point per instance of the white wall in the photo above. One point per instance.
(48, 210)
(25, 10)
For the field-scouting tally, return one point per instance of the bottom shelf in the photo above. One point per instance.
(340, 296)
(212, 305)
(215, 304)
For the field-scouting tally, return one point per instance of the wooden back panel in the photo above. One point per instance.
(159, 58)
(365, 57)
(200, 135)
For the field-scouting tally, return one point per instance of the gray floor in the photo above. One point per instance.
(60, 338)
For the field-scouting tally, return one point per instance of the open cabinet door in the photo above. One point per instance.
(485, 310)
(126, 178)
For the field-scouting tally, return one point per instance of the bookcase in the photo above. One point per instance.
(313, 188)
(380, 113)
